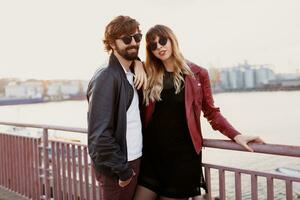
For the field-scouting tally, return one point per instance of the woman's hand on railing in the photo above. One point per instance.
(243, 140)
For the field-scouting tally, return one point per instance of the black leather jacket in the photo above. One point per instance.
(109, 96)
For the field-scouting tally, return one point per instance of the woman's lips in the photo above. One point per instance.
(162, 52)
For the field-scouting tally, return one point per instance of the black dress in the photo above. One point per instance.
(170, 165)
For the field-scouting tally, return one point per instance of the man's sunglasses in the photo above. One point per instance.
(128, 38)
(162, 41)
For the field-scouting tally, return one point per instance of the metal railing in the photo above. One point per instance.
(44, 168)
(275, 149)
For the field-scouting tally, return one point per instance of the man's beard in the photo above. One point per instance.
(128, 56)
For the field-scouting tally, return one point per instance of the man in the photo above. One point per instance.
(114, 123)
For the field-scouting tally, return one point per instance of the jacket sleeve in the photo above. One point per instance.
(105, 152)
(212, 113)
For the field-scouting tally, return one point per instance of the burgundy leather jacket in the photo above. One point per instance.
(198, 97)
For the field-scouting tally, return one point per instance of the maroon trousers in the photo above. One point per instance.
(109, 186)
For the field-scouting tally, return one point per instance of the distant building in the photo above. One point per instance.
(54, 89)
(249, 78)
(246, 76)
(44, 90)
(236, 78)
(291, 83)
(263, 76)
(240, 78)
(71, 88)
(63, 89)
(13, 90)
(287, 76)
(3, 83)
(24, 90)
(224, 79)
(232, 79)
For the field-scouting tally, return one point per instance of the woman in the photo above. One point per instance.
(177, 92)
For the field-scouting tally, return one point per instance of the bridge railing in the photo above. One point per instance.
(268, 178)
(42, 167)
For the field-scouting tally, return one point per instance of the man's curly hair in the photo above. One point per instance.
(121, 25)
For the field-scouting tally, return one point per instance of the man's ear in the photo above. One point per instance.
(113, 45)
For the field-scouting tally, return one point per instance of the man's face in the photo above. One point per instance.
(127, 46)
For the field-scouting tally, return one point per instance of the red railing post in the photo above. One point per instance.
(270, 188)
(58, 170)
(46, 169)
(26, 167)
(23, 184)
(40, 168)
(63, 163)
(6, 160)
(13, 161)
(238, 189)
(75, 182)
(81, 192)
(19, 164)
(70, 193)
(208, 182)
(1, 158)
(289, 190)
(86, 173)
(222, 183)
(54, 170)
(36, 178)
(9, 168)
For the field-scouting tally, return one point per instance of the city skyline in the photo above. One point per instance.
(62, 39)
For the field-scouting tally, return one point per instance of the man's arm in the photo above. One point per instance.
(103, 148)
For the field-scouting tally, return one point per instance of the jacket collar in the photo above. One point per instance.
(115, 64)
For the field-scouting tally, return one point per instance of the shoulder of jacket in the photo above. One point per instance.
(101, 74)
(106, 73)
(196, 69)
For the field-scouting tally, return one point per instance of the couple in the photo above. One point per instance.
(144, 135)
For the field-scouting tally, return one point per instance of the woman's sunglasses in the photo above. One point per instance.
(128, 38)
(162, 41)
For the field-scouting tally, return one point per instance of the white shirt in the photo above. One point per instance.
(134, 136)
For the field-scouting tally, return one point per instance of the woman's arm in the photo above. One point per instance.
(218, 121)
(140, 77)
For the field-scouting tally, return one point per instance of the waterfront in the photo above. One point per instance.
(272, 115)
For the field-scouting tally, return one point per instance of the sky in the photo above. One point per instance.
(62, 39)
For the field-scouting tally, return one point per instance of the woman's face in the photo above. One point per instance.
(161, 48)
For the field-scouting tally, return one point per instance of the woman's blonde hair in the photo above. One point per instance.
(155, 68)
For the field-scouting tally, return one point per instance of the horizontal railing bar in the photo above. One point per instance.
(275, 149)
(251, 172)
(43, 126)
